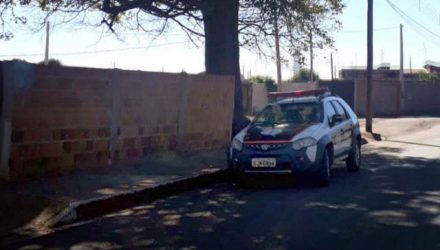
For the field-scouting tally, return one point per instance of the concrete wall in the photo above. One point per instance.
(343, 88)
(65, 117)
(247, 96)
(259, 93)
(422, 98)
(385, 97)
(259, 97)
(290, 86)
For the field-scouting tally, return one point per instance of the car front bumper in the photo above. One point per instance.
(288, 160)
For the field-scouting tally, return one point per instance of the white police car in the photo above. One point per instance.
(302, 132)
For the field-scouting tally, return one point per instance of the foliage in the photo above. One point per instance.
(221, 25)
(424, 76)
(271, 86)
(303, 75)
(52, 62)
(296, 19)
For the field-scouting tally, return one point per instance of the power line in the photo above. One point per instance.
(93, 51)
(416, 25)
(430, 11)
(362, 31)
(146, 33)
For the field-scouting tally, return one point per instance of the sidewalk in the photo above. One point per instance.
(31, 202)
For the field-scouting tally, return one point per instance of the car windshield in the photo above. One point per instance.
(291, 113)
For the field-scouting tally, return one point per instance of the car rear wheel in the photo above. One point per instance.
(353, 161)
(323, 177)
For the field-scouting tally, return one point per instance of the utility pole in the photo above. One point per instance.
(331, 65)
(311, 57)
(278, 56)
(401, 78)
(46, 53)
(369, 112)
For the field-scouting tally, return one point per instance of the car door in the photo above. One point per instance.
(335, 132)
(345, 127)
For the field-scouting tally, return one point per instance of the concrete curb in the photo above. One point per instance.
(371, 137)
(81, 211)
(88, 209)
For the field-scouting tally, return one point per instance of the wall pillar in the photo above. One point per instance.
(182, 111)
(15, 76)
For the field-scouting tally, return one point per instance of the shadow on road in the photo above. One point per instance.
(392, 203)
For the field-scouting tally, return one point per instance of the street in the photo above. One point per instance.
(393, 202)
(221, 124)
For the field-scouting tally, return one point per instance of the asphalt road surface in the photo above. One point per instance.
(393, 202)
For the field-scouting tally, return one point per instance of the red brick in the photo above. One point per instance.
(44, 83)
(67, 147)
(129, 131)
(67, 134)
(101, 145)
(82, 134)
(89, 146)
(141, 131)
(40, 135)
(103, 132)
(16, 165)
(51, 149)
(87, 159)
(94, 84)
(17, 136)
(104, 120)
(169, 129)
(57, 121)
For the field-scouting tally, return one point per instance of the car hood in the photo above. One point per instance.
(282, 132)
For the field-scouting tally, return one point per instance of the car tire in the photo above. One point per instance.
(323, 178)
(353, 161)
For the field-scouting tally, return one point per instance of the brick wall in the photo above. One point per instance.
(65, 117)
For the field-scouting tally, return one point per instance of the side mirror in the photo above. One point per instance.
(336, 118)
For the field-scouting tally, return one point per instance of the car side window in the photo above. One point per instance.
(329, 110)
(339, 109)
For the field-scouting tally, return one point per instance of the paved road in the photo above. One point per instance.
(392, 203)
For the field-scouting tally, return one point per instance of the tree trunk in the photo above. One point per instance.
(222, 51)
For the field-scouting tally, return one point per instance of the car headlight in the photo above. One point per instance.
(237, 145)
(303, 143)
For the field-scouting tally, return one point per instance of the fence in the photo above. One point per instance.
(345, 89)
(59, 118)
(420, 98)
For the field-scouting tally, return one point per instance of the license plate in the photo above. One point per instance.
(264, 162)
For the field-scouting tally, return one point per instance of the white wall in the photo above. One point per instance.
(290, 86)
(259, 97)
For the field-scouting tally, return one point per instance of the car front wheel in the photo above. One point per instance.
(324, 173)
(353, 161)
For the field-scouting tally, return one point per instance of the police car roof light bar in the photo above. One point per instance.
(301, 93)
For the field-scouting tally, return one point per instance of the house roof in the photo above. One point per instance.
(432, 63)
